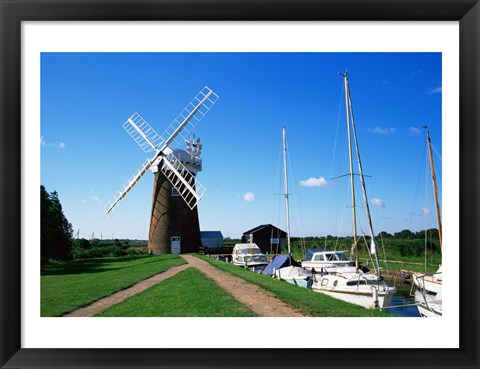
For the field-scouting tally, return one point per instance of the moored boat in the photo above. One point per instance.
(249, 255)
(429, 294)
(284, 267)
(352, 284)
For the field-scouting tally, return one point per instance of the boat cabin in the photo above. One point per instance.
(327, 259)
(249, 256)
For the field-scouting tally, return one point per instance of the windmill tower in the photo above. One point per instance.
(174, 225)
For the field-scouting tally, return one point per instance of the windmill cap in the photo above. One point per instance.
(194, 164)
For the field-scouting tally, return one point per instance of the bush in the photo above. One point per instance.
(136, 251)
(98, 252)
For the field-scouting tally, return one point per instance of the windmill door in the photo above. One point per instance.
(175, 244)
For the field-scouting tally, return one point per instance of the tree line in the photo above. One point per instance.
(56, 232)
(56, 236)
(405, 234)
(57, 241)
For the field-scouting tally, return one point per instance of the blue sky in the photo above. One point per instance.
(86, 156)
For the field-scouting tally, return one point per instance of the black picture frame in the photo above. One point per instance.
(12, 13)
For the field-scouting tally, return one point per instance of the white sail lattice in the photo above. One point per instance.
(145, 136)
(141, 132)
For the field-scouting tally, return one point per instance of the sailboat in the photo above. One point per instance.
(429, 294)
(289, 270)
(352, 284)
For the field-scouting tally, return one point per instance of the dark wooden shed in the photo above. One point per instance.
(268, 237)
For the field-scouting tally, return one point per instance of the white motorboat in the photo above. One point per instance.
(328, 261)
(249, 255)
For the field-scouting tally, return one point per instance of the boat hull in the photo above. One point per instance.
(430, 311)
(295, 275)
(362, 289)
(304, 283)
(429, 305)
(429, 283)
(369, 300)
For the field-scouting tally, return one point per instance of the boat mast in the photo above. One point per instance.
(352, 182)
(287, 215)
(373, 247)
(435, 188)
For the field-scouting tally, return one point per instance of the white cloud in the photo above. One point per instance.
(249, 197)
(314, 182)
(425, 211)
(435, 90)
(383, 130)
(95, 198)
(378, 202)
(414, 130)
(59, 145)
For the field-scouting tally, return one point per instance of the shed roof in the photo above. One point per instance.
(260, 227)
(211, 234)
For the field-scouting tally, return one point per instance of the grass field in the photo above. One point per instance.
(69, 285)
(308, 302)
(187, 294)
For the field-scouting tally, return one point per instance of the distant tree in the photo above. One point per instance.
(405, 235)
(433, 233)
(82, 244)
(384, 235)
(55, 230)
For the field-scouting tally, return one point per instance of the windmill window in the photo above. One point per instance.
(175, 192)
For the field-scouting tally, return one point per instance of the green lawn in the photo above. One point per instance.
(307, 301)
(187, 294)
(67, 286)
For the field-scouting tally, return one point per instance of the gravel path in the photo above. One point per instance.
(258, 300)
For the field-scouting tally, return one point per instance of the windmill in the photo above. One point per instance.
(174, 225)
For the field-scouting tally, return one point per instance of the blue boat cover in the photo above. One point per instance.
(279, 261)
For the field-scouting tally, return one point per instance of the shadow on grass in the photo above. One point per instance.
(96, 265)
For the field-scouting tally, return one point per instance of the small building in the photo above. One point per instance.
(211, 239)
(268, 237)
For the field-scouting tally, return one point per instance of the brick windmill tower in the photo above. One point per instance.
(174, 225)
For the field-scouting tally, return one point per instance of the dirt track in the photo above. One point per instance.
(261, 302)
(255, 298)
(100, 305)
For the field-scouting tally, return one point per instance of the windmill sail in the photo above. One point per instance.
(185, 182)
(122, 194)
(190, 189)
(189, 117)
(141, 132)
